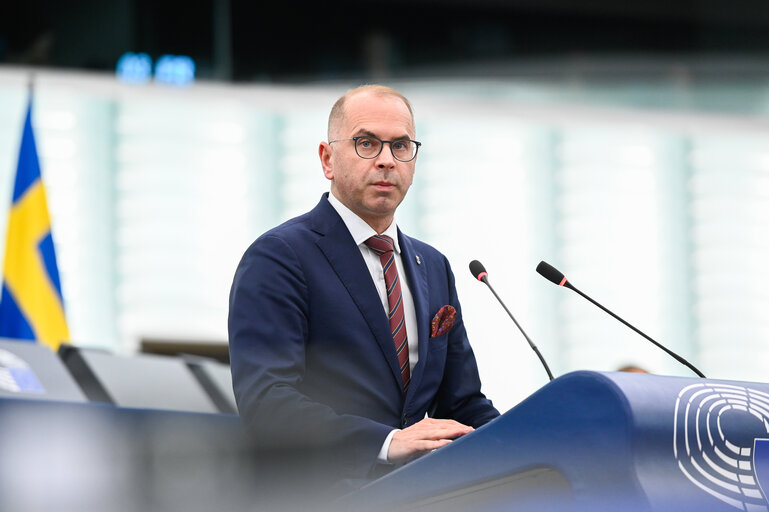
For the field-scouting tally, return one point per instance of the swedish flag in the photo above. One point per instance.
(31, 306)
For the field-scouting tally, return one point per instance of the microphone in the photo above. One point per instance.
(479, 272)
(555, 276)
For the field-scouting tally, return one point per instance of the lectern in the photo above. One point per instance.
(599, 441)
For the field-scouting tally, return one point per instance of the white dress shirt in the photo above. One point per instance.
(361, 232)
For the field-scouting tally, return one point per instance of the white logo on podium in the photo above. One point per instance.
(714, 429)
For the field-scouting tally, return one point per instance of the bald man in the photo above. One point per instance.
(346, 334)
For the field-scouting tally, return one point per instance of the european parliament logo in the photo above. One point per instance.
(721, 442)
(31, 305)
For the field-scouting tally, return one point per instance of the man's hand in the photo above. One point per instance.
(423, 437)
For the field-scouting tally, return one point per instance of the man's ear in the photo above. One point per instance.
(324, 152)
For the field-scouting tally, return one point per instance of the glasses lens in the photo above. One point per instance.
(368, 147)
(403, 149)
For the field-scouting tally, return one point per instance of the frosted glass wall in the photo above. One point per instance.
(156, 192)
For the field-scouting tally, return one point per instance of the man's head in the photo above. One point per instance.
(372, 188)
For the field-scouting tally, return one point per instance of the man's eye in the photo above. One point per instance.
(401, 145)
(365, 143)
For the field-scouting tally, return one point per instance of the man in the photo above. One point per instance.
(332, 338)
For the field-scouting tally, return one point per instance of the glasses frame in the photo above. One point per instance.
(381, 146)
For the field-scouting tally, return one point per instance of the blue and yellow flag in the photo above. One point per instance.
(31, 306)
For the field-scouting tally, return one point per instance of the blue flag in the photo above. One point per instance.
(31, 306)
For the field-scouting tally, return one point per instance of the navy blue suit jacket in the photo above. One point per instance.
(313, 360)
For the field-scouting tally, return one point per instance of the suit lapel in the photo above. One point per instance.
(344, 257)
(416, 273)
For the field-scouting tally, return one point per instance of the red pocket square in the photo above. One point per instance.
(443, 321)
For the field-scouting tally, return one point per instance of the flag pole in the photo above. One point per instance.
(31, 84)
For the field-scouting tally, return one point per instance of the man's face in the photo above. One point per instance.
(372, 188)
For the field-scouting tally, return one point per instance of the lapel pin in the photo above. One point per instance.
(419, 262)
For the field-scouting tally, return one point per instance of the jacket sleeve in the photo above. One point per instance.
(268, 333)
(459, 396)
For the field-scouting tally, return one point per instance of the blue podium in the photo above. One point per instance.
(599, 441)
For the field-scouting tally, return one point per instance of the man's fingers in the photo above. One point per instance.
(438, 429)
(442, 433)
(414, 448)
(428, 446)
(423, 437)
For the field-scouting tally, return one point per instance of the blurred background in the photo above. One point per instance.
(626, 143)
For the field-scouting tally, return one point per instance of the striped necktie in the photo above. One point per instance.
(383, 246)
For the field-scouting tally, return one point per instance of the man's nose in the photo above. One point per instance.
(385, 157)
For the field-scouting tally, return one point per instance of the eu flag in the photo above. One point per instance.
(31, 306)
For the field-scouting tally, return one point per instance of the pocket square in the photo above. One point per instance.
(443, 321)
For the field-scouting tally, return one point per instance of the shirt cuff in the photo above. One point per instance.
(382, 457)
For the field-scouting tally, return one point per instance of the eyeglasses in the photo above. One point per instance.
(368, 146)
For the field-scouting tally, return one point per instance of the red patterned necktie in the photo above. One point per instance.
(383, 246)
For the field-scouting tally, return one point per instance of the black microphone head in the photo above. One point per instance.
(478, 270)
(551, 273)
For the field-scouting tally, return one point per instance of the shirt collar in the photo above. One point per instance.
(358, 227)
